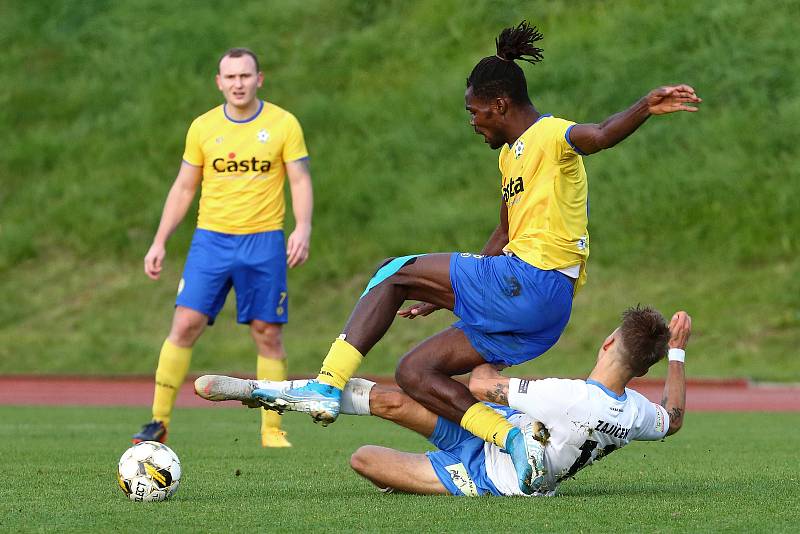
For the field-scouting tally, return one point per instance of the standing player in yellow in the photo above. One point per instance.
(515, 298)
(241, 152)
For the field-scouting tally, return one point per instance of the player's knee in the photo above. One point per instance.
(361, 460)
(407, 375)
(186, 330)
(268, 337)
(412, 375)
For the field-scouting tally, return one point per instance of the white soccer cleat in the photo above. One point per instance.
(223, 388)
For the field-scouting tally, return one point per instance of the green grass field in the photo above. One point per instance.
(695, 211)
(59, 467)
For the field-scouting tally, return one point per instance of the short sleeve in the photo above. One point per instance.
(563, 147)
(193, 153)
(652, 423)
(544, 400)
(294, 147)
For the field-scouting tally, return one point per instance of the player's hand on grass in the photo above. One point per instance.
(420, 309)
(297, 246)
(154, 260)
(680, 328)
(671, 98)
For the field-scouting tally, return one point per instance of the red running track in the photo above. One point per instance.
(701, 395)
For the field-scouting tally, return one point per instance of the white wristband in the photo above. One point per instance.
(676, 355)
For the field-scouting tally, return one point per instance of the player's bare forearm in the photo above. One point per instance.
(674, 400)
(486, 384)
(494, 246)
(299, 242)
(499, 238)
(302, 192)
(179, 199)
(591, 138)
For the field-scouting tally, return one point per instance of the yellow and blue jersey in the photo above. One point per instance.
(545, 188)
(243, 167)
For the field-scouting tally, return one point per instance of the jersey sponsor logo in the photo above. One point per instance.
(514, 187)
(610, 429)
(523, 386)
(461, 479)
(242, 165)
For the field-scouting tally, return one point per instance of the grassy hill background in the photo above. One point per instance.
(696, 211)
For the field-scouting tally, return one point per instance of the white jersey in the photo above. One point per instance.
(586, 421)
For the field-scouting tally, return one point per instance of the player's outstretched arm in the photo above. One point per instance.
(591, 138)
(179, 199)
(487, 384)
(299, 242)
(674, 400)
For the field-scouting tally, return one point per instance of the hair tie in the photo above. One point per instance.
(502, 58)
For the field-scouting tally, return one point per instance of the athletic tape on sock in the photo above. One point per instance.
(355, 397)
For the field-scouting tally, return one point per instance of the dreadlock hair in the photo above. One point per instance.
(499, 75)
(645, 337)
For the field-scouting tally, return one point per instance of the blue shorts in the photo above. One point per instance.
(510, 311)
(460, 464)
(253, 264)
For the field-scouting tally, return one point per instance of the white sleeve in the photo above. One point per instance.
(544, 400)
(652, 422)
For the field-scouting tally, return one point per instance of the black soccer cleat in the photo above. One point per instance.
(152, 431)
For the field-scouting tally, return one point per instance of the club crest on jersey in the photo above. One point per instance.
(262, 136)
(518, 148)
(512, 188)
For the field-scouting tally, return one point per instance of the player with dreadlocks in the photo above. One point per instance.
(514, 298)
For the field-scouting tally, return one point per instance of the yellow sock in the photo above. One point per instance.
(340, 364)
(270, 369)
(487, 424)
(173, 364)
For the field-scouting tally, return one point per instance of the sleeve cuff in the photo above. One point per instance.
(566, 136)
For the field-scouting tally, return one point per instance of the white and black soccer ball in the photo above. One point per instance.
(149, 471)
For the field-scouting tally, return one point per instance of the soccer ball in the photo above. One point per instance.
(149, 471)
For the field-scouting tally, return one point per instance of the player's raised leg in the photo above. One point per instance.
(173, 364)
(421, 277)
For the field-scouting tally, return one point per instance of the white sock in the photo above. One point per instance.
(355, 397)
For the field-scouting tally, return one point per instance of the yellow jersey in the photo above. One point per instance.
(545, 189)
(243, 167)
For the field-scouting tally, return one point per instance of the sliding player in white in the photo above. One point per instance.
(576, 421)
